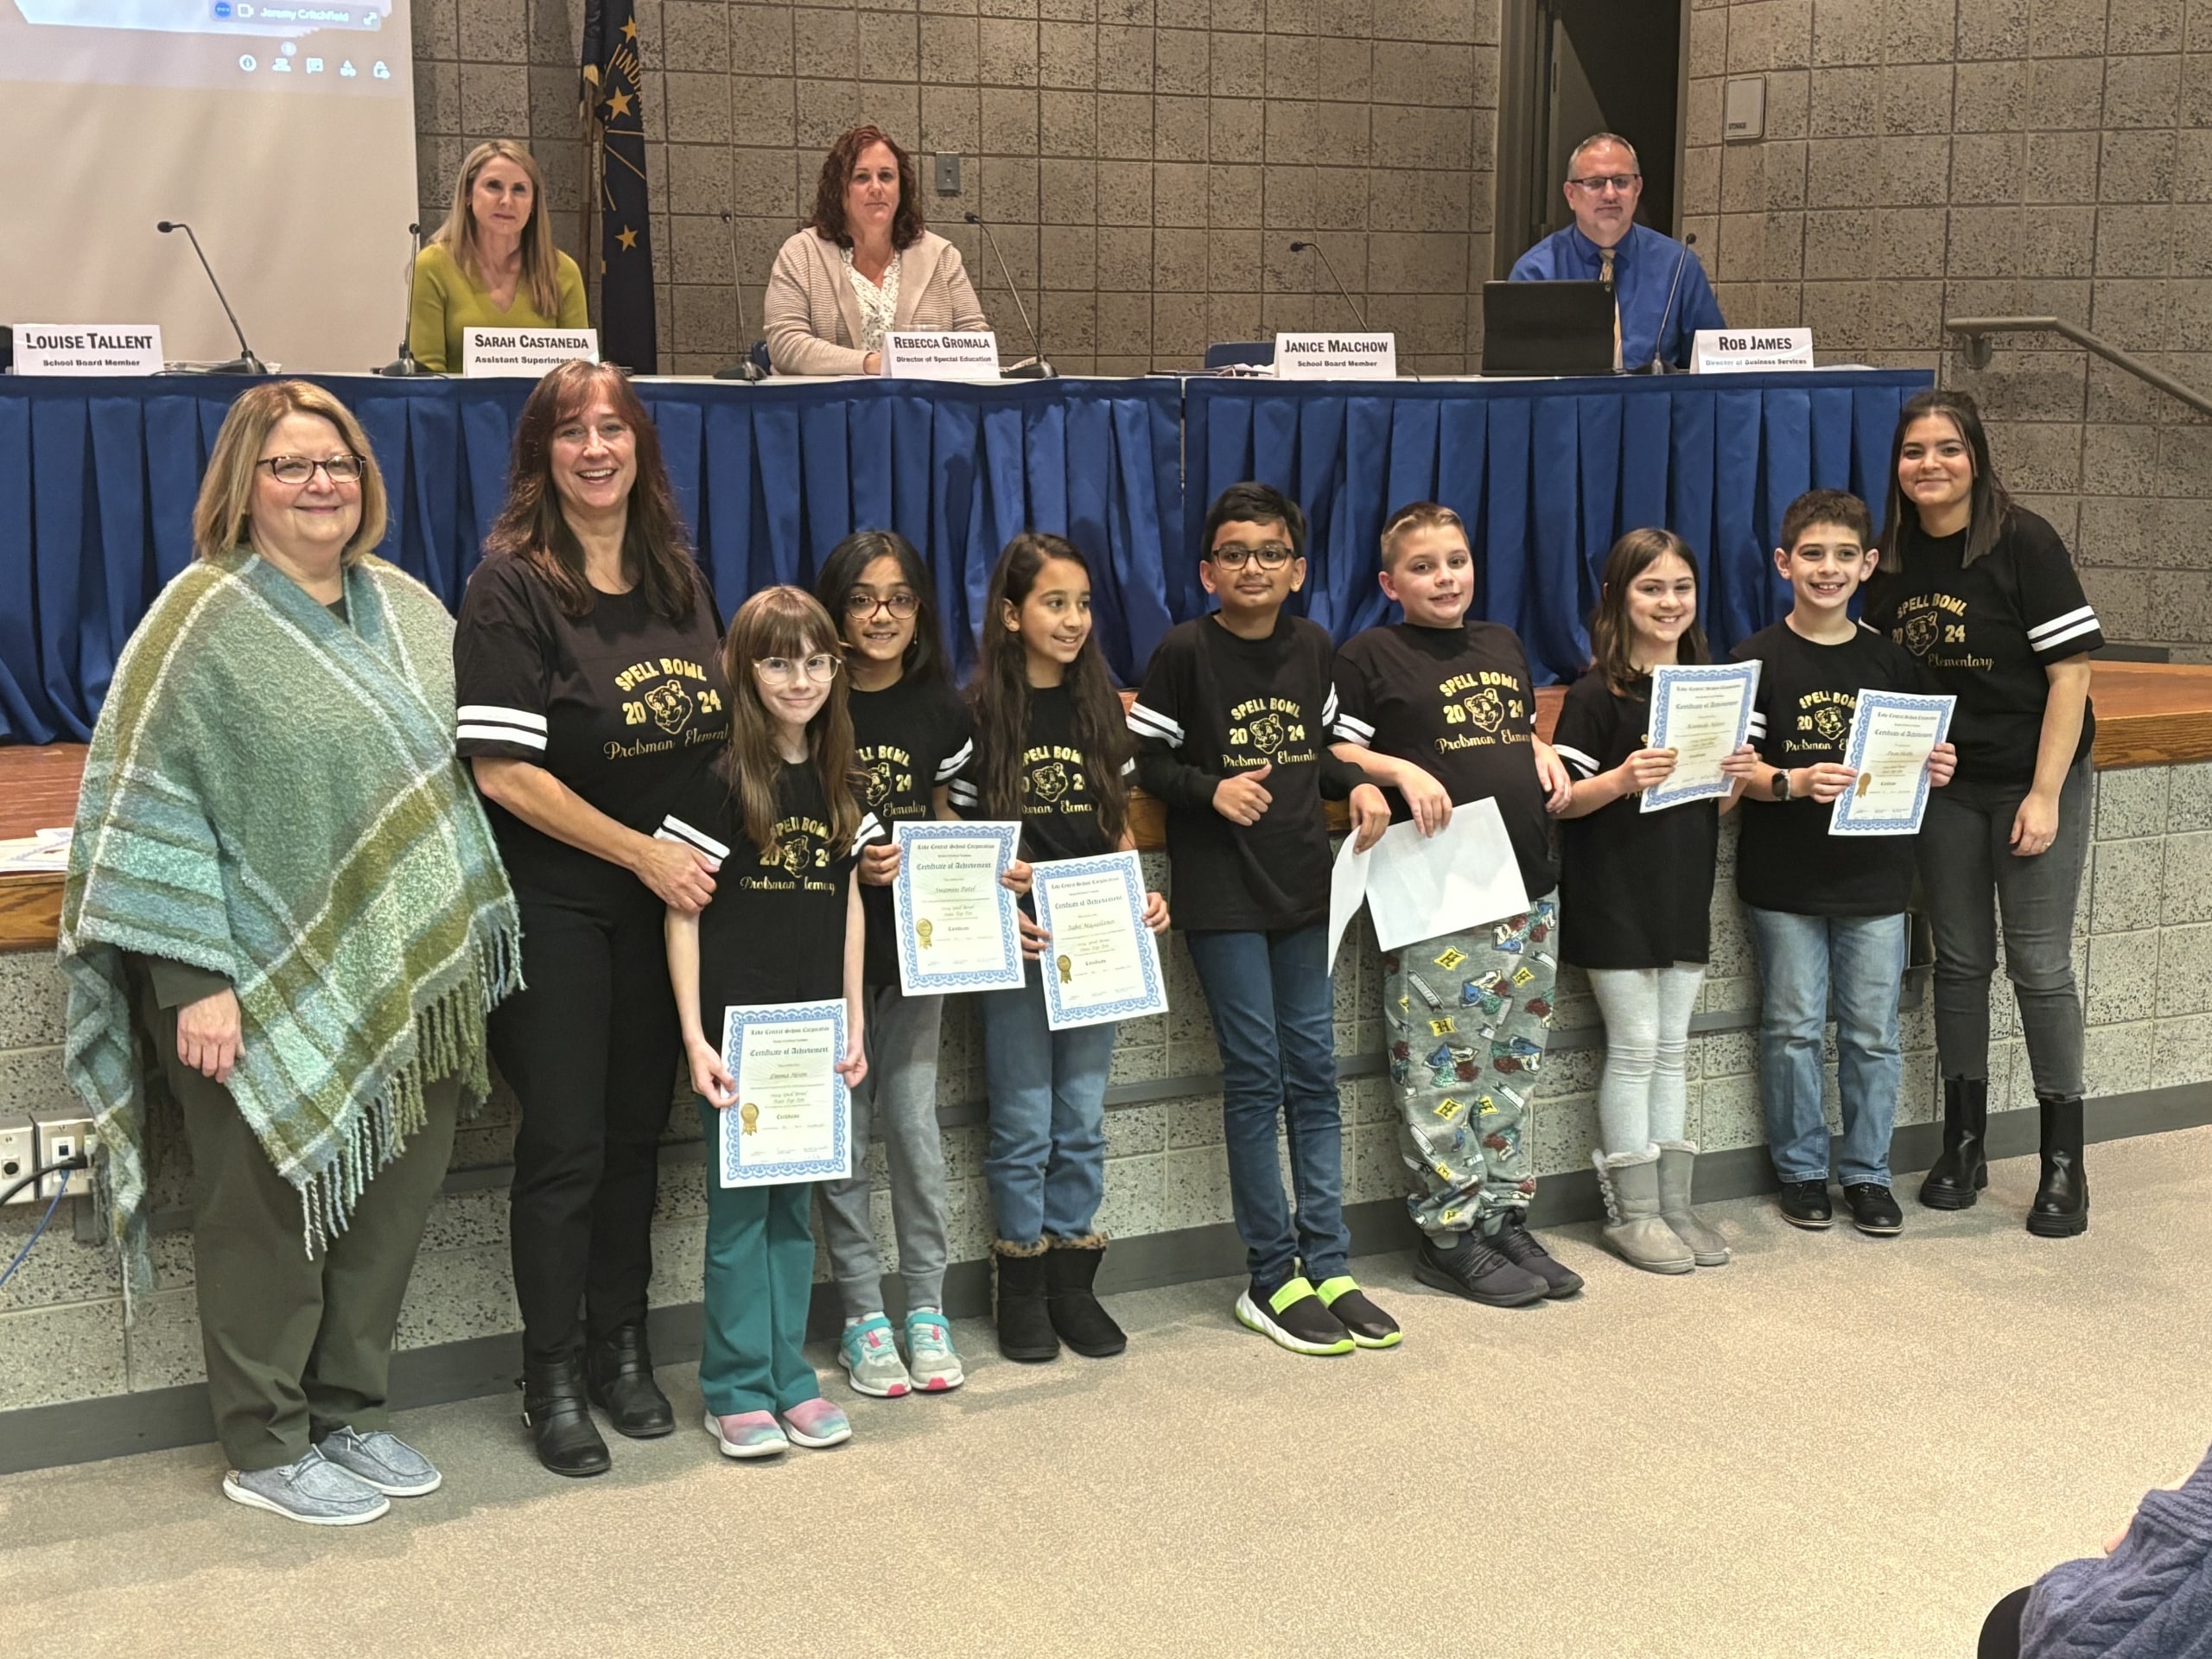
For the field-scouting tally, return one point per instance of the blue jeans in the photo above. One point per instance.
(1273, 1015)
(1046, 1166)
(1805, 961)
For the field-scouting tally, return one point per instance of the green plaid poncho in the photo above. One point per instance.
(272, 794)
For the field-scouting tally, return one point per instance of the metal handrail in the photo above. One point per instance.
(1979, 350)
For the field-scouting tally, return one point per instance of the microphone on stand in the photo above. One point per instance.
(1657, 366)
(246, 362)
(1315, 247)
(1030, 368)
(745, 368)
(404, 365)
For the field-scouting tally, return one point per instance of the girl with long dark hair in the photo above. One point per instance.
(1983, 592)
(587, 657)
(1052, 750)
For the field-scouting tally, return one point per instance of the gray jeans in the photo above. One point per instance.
(1965, 856)
(899, 1095)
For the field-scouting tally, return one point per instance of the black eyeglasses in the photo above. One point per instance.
(901, 604)
(1269, 556)
(298, 469)
(1623, 182)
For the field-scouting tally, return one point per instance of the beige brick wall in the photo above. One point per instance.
(1927, 158)
(1155, 156)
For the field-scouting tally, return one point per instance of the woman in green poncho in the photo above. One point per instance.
(285, 904)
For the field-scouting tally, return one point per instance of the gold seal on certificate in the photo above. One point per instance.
(1105, 961)
(1892, 734)
(795, 1121)
(957, 924)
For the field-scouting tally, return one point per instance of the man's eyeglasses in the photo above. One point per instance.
(901, 604)
(821, 668)
(1269, 556)
(298, 469)
(1622, 183)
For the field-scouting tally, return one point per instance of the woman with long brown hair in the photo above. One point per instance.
(591, 691)
(493, 263)
(863, 266)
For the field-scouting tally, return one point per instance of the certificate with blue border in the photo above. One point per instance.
(1102, 963)
(793, 1119)
(1891, 735)
(959, 928)
(1703, 712)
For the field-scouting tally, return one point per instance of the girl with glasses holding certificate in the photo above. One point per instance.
(777, 817)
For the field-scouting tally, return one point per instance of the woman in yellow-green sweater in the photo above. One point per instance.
(493, 263)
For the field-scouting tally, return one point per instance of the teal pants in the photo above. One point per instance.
(760, 1282)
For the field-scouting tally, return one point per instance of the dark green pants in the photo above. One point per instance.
(296, 1345)
(759, 1281)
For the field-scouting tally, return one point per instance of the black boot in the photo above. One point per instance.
(620, 1369)
(1024, 1324)
(1071, 1269)
(559, 1416)
(1959, 1175)
(2062, 1204)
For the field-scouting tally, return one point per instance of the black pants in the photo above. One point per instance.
(590, 1049)
(2000, 1631)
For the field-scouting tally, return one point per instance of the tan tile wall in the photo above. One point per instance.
(1154, 157)
(1927, 158)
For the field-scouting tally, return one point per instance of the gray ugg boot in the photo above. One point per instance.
(1629, 1182)
(1677, 1161)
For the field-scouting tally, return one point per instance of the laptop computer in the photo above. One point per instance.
(1560, 327)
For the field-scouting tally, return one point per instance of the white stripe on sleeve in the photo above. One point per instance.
(949, 768)
(1350, 728)
(1577, 761)
(1758, 724)
(674, 829)
(2041, 634)
(514, 735)
(499, 716)
(871, 829)
(960, 792)
(1150, 722)
(2045, 647)
(1329, 710)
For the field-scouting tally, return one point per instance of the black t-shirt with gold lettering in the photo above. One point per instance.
(1786, 860)
(1988, 631)
(1216, 706)
(774, 932)
(620, 704)
(1456, 703)
(908, 739)
(1059, 817)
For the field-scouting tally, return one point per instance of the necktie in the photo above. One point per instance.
(1605, 276)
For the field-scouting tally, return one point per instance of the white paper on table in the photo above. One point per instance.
(1703, 712)
(1347, 890)
(1419, 886)
(46, 853)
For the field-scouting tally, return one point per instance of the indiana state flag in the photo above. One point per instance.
(611, 117)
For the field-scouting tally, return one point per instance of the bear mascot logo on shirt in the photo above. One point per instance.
(670, 705)
(1828, 721)
(1920, 633)
(1049, 782)
(1267, 732)
(1486, 709)
(879, 784)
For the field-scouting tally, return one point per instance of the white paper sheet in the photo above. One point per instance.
(1420, 885)
(1347, 892)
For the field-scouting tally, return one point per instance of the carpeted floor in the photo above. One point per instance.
(1834, 1442)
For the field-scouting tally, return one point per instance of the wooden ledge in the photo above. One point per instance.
(2148, 715)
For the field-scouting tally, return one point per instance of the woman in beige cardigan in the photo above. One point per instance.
(864, 266)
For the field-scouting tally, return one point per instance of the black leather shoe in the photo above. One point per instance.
(1874, 1209)
(619, 1369)
(1025, 1322)
(1805, 1204)
(2061, 1202)
(1956, 1179)
(1518, 1245)
(1473, 1268)
(1070, 1270)
(559, 1416)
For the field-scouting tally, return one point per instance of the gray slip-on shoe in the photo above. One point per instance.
(382, 1460)
(313, 1490)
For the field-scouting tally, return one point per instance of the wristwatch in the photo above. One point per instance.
(1782, 784)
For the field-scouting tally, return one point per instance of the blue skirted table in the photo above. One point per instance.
(98, 479)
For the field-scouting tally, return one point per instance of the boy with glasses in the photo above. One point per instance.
(1232, 730)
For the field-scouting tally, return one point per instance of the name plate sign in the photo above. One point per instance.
(1732, 351)
(909, 355)
(88, 348)
(1335, 357)
(488, 352)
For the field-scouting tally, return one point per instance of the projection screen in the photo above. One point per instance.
(283, 133)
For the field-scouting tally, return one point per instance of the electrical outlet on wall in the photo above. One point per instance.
(16, 1161)
(61, 1136)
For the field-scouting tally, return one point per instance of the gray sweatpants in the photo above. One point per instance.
(898, 1094)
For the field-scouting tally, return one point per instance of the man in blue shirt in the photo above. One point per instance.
(1606, 244)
